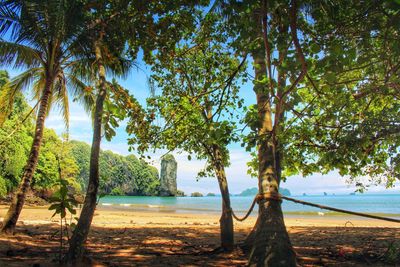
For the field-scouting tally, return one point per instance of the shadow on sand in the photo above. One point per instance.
(195, 246)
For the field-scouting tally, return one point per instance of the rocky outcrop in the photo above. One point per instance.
(168, 176)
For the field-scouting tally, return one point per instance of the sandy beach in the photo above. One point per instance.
(124, 237)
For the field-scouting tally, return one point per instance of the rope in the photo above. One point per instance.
(341, 210)
(278, 197)
(257, 198)
(248, 212)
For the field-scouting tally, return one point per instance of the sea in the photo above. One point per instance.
(377, 204)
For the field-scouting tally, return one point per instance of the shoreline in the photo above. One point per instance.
(373, 205)
(125, 217)
(167, 209)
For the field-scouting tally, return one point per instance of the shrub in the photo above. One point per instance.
(3, 187)
(117, 192)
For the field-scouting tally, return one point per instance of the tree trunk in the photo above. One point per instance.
(248, 243)
(78, 239)
(11, 218)
(226, 220)
(272, 245)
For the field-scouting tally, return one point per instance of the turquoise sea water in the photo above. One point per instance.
(384, 204)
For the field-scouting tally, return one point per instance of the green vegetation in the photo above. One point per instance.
(254, 191)
(46, 51)
(15, 139)
(211, 195)
(325, 100)
(196, 194)
(201, 80)
(119, 175)
(3, 187)
(63, 202)
(325, 79)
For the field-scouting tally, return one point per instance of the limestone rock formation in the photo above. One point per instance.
(168, 176)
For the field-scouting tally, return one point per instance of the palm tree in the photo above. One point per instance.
(109, 57)
(41, 37)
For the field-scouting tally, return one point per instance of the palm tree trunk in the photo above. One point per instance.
(226, 220)
(272, 246)
(78, 239)
(11, 218)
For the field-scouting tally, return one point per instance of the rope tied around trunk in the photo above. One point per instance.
(278, 197)
(259, 197)
(248, 212)
(269, 196)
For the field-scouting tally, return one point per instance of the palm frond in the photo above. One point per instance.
(50, 102)
(120, 67)
(18, 55)
(52, 35)
(216, 6)
(82, 93)
(38, 86)
(25, 79)
(82, 68)
(60, 97)
(9, 17)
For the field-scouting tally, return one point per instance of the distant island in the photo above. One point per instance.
(254, 190)
(196, 194)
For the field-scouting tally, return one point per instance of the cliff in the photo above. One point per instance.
(168, 176)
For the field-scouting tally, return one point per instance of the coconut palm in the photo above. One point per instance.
(109, 57)
(42, 38)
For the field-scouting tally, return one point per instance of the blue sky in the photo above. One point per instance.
(239, 180)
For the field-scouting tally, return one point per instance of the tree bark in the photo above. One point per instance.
(18, 200)
(226, 220)
(272, 246)
(78, 239)
(248, 243)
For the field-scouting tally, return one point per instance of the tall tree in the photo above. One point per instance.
(111, 27)
(198, 106)
(264, 31)
(354, 126)
(299, 48)
(101, 32)
(40, 39)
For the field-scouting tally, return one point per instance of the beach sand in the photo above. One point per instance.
(124, 237)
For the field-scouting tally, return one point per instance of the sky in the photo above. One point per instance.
(238, 179)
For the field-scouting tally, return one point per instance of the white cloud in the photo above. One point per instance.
(118, 148)
(76, 118)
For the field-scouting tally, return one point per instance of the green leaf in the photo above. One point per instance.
(54, 206)
(330, 77)
(315, 48)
